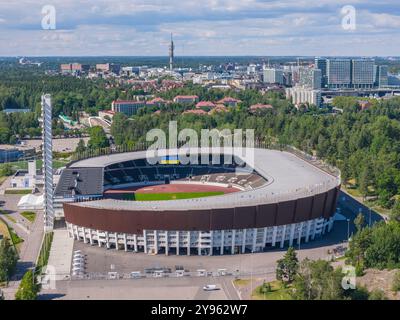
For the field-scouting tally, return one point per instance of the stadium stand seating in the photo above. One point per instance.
(140, 171)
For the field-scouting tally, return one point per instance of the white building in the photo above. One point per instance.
(26, 179)
(300, 95)
(272, 75)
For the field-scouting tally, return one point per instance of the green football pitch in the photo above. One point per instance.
(171, 196)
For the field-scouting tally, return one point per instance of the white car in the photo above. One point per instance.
(210, 287)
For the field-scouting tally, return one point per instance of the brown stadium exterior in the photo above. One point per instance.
(275, 216)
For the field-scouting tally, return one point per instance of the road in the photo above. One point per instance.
(184, 288)
(32, 233)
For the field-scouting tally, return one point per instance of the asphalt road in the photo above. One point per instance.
(32, 233)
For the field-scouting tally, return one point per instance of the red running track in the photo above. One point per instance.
(174, 188)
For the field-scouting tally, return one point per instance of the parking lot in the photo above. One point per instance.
(142, 289)
(99, 262)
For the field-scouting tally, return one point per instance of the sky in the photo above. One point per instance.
(201, 28)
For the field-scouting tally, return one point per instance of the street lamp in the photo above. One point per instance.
(348, 230)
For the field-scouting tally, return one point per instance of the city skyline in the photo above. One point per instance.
(211, 28)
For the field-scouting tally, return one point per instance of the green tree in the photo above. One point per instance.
(359, 221)
(318, 280)
(98, 138)
(364, 182)
(6, 170)
(8, 260)
(395, 212)
(288, 266)
(28, 288)
(81, 146)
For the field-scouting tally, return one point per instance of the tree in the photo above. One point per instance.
(6, 170)
(28, 287)
(395, 213)
(8, 260)
(359, 221)
(288, 266)
(318, 280)
(98, 138)
(81, 146)
(364, 182)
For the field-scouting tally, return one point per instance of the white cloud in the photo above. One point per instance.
(208, 27)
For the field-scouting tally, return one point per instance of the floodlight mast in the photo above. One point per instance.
(47, 151)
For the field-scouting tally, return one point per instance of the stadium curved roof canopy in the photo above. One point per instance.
(289, 177)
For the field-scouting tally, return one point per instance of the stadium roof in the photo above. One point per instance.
(80, 181)
(289, 177)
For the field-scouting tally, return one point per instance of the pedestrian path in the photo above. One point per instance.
(59, 264)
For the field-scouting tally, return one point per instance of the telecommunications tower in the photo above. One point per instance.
(171, 54)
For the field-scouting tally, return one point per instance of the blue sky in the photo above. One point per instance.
(207, 27)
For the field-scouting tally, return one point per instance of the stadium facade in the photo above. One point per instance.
(282, 201)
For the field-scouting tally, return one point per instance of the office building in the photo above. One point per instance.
(321, 64)
(74, 68)
(272, 75)
(108, 68)
(310, 78)
(381, 78)
(127, 107)
(339, 73)
(362, 73)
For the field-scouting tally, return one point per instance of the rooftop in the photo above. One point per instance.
(289, 178)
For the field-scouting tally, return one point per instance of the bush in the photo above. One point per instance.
(8, 260)
(377, 294)
(266, 288)
(396, 281)
(28, 287)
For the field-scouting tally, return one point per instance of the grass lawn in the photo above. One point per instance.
(241, 282)
(277, 292)
(15, 238)
(2, 179)
(23, 165)
(354, 192)
(4, 229)
(18, 191)
(44, 251)
(9, 233)
(173, 196)
(30, 216)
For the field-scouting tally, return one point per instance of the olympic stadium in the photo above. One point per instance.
(126, 201)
